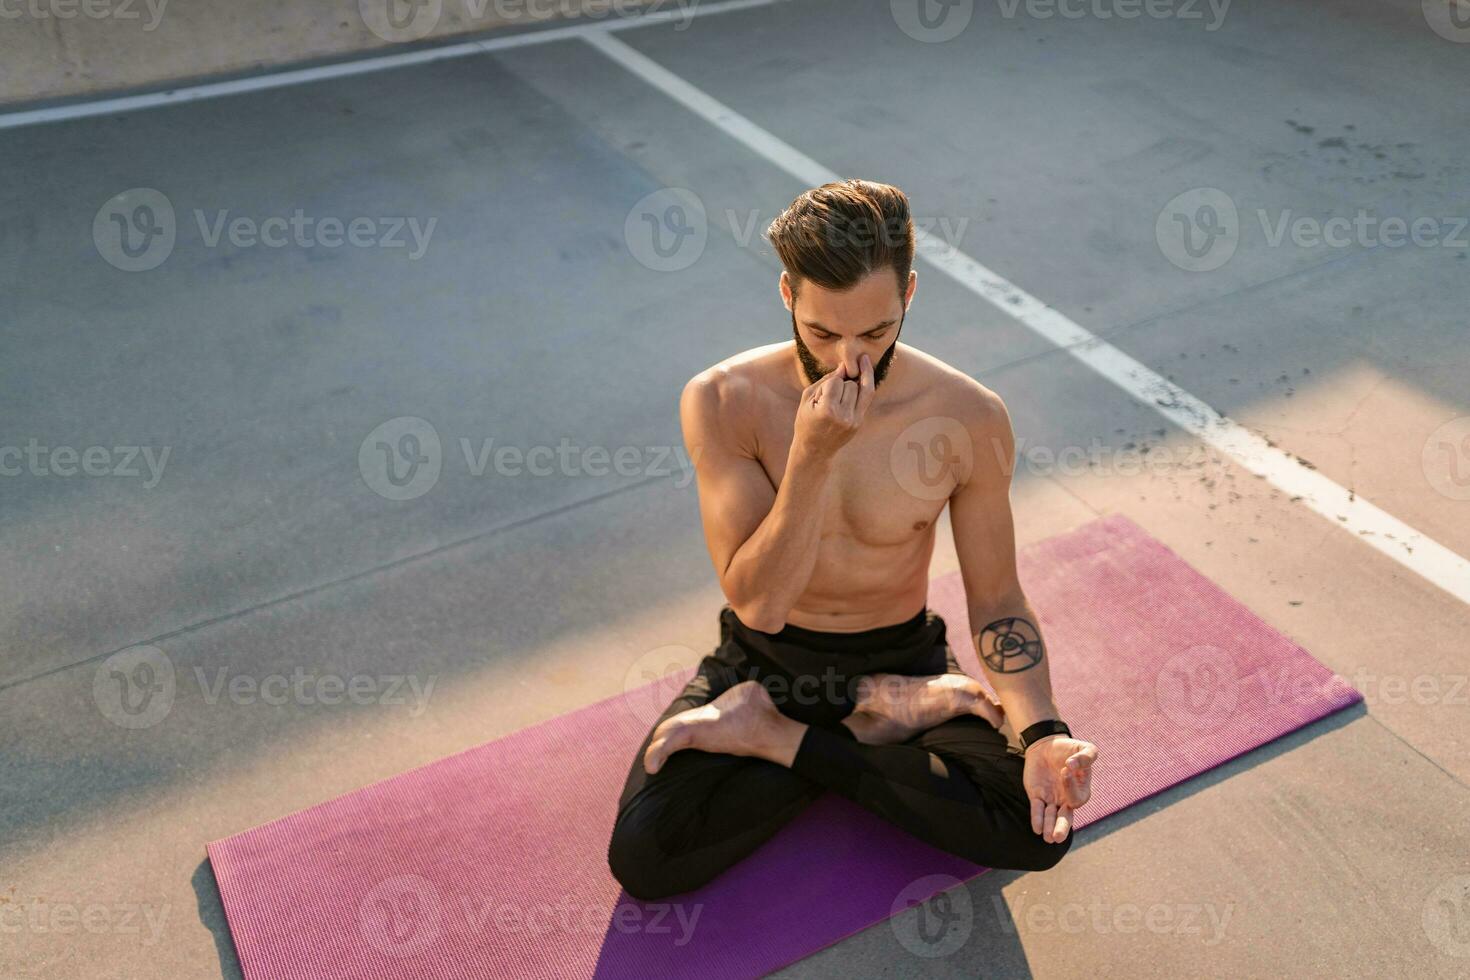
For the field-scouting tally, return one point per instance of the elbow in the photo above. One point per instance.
(760, 619)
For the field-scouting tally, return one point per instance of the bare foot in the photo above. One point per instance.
(895, 707)
(741, 721)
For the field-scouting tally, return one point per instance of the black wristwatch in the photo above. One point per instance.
(1051, 726)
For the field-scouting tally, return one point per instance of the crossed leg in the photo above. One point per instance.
(702, 811)
(955, 785)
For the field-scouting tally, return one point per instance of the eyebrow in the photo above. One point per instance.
(882, 326)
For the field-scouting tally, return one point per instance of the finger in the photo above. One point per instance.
(1048, 822)
(866, 385)
(1079, 789)
(1064, 824)
(849, 395)
(1037, 808)
(988, 709)
(834, 382)
(1084, 756)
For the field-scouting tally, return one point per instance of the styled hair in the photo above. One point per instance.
(840, 232)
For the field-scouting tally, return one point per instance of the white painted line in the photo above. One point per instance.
(346, 69)
(1367, 523)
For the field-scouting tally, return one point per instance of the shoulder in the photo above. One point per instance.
(980, 410)
(728, 391)
(979, 415)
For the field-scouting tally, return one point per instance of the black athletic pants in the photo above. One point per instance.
(956, 786)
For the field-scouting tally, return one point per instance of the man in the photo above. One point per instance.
(822, 466)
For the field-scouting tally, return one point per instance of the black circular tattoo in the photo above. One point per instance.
(1010, 645)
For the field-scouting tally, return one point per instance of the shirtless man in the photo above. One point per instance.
(822, 466)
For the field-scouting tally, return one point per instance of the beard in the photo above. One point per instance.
(812, 369)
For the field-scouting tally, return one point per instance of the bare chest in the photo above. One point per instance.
(888, 485)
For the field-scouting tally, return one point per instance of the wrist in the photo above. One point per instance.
(1043, 731)
(809, 456)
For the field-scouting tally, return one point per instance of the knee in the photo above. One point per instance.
(635, 857)
(1032, 853)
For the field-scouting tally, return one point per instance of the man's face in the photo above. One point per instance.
(865, 319)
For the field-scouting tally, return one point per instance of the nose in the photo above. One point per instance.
(849, 354)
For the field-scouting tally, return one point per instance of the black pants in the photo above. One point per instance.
(956, 786)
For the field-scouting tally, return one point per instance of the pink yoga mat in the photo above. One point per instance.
(492, 862)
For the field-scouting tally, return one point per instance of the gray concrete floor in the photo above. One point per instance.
(1337, 851)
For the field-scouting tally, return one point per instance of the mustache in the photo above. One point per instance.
(813, 370)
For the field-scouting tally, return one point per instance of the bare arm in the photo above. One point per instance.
(763, 541)
(1003, 624)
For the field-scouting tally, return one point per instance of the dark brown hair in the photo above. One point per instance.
(840, 232)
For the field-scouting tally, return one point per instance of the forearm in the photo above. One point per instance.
(1013, 653)
(771, 569)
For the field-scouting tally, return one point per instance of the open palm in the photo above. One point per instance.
(1058, 779)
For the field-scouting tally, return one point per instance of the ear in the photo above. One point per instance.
(785, 284)
(908, 296)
